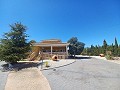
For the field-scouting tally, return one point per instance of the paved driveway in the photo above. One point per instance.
(3, 77)
(85, 74)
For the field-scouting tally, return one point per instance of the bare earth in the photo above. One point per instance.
(103, 58)
(27, 79)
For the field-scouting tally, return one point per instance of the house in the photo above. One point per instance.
(47, 48)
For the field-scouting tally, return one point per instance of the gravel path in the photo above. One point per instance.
(85, 74)
(27, 79)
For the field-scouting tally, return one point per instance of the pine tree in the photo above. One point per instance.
(96, 50)
(92, 50)
(14, 45)
(112, 50)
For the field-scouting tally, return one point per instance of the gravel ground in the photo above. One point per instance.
(27, 79)
(103, 58)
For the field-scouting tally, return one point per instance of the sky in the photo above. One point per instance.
(91, 21)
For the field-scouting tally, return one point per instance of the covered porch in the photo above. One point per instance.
(48, 48)
(47, 51)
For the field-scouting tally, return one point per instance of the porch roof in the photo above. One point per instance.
(50, 44)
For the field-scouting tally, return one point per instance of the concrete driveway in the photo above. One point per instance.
(3, 76)
(85, 74)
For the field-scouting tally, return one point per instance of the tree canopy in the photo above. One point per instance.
(113, 49)
(75, 47)
(14, 45)
(32, 41)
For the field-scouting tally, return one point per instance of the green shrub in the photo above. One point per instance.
(108, 57)
(46, 64)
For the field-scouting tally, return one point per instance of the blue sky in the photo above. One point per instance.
(91, 21)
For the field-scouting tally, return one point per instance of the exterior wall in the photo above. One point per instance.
(59, 51)
(54, 49)
(47, 48)
(46, 52)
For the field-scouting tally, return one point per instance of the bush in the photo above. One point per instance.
(46, 64)
(108, 57)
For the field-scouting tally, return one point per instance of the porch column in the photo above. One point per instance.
(51, 50)
(66, 50)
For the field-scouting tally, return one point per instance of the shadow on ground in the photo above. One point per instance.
(85, 57)
(54, 68)
(19, 66)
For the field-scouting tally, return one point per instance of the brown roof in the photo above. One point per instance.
(51, 41)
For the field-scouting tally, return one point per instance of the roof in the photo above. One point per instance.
(51, 42)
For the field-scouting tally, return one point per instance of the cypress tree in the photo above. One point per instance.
(116, 43)
(119, 51)
(116, 48)
(112, 49)
(104, 46)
